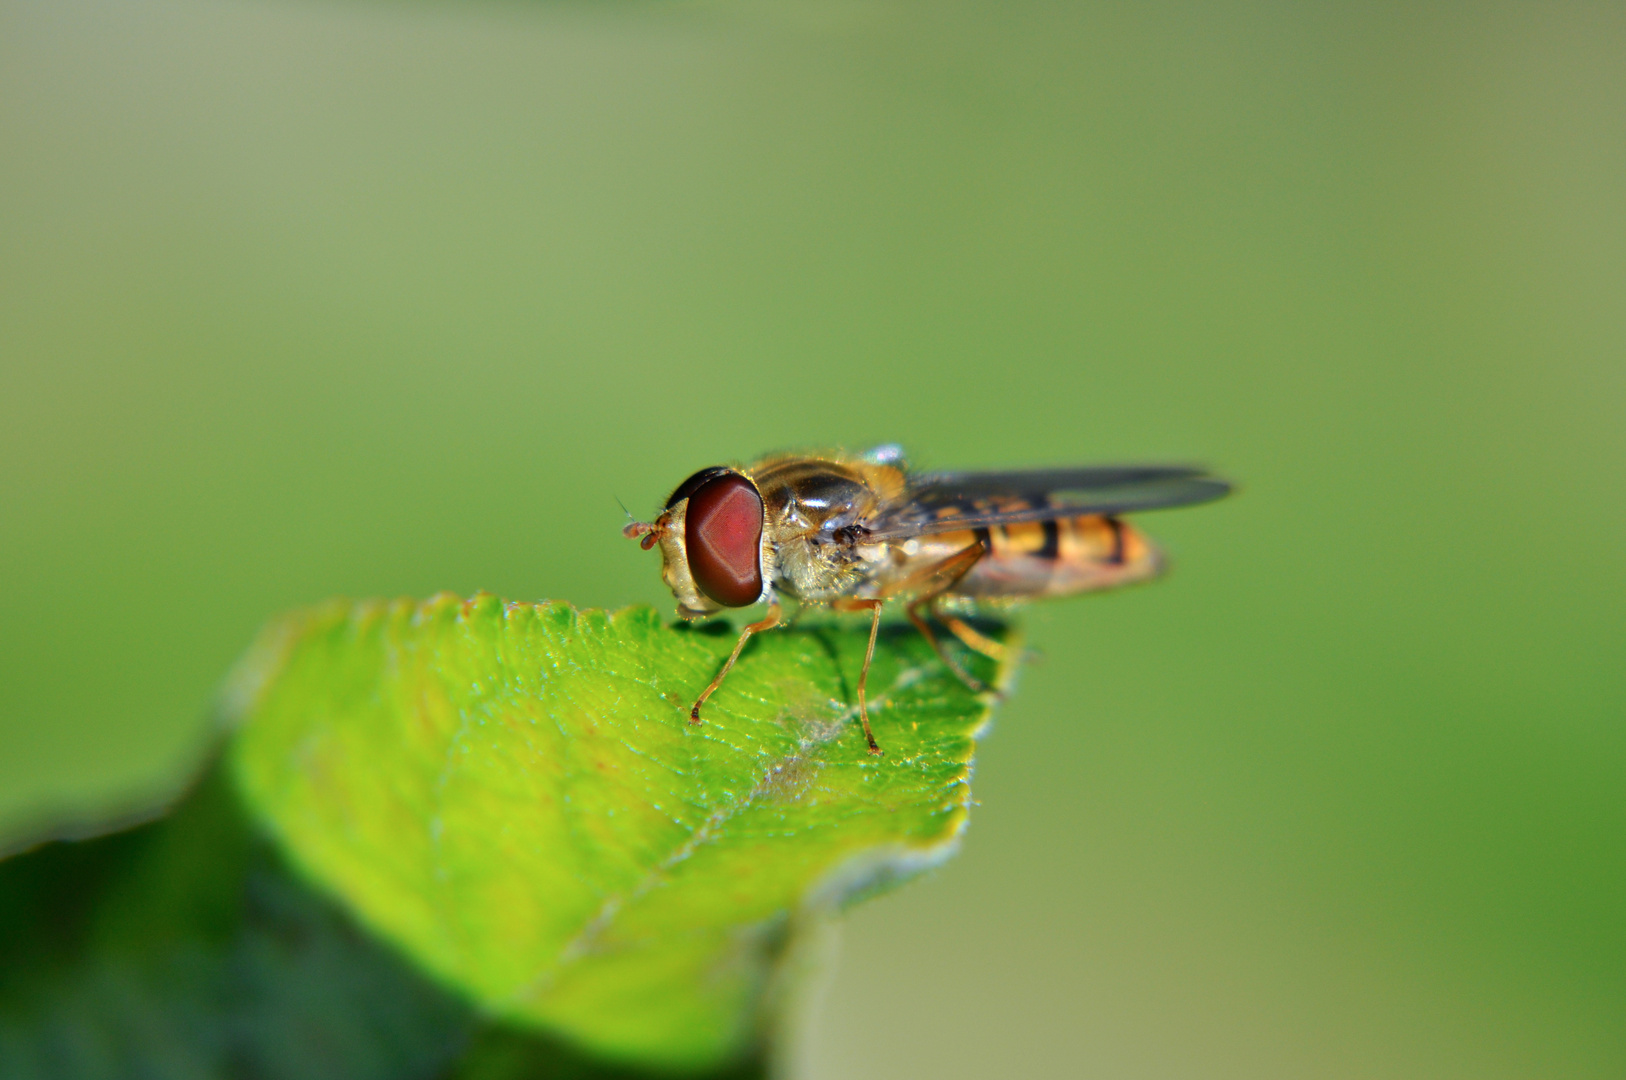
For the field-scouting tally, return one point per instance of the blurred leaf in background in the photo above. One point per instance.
(184, 949)
(301, 300)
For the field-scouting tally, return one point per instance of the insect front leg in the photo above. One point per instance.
(768, 622)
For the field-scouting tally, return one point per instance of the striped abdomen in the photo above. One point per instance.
(1055, 558)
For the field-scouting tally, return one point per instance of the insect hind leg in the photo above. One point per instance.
(974, 639)
(929, 603)
(940, 578)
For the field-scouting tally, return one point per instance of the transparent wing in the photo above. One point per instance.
(948, 502)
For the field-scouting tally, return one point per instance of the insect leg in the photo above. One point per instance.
(768, 622)
(875, 607)
(973, 638)
(949, 571)
(972, 683)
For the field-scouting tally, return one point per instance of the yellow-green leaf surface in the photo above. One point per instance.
(512, 794)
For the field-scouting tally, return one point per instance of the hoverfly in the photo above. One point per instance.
(854, 533)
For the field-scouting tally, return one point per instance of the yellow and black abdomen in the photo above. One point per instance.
(1036, 559)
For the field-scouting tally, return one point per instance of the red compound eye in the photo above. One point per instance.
(722, 530)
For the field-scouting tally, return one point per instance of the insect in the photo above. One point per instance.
(854, 533)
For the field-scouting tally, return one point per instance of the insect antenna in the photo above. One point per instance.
(635, 528)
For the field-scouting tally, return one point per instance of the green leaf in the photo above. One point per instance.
(513, 795)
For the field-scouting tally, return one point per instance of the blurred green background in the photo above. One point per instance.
(301, 299)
